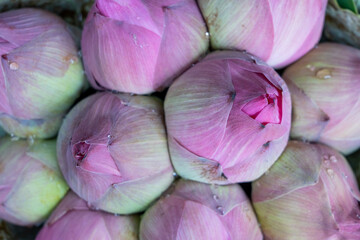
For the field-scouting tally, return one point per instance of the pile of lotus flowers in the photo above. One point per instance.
(180, 120)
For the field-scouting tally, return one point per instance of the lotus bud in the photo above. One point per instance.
(112, 150)
(41, 73)
(277, 31)
(342, 21)
(69, 9)
(73, 212)
(310, 193)
(140, 46)
(228, 119)
(326, 101)
(31, 184)
(193, 210)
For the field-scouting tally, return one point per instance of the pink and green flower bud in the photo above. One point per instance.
(72, 219)
(228, 119)
(112, 150)
(310, 193)
(343, 21)
(140, 46)
(324, 88)
(193, 210)
(277, 31)
(31, 184)
(41, 73)
(70, 10)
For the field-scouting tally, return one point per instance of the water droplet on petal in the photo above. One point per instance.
(220, 209)
(333, 159)
(215, 197)
(14, 66)
(14, 138)
(311, 67)
(174, 174)
(31, 140)
(207, 34)
(330, 172)
(358, 215)
(71, 59)
(323, 73)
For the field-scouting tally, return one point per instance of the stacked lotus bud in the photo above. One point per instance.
(213, 114)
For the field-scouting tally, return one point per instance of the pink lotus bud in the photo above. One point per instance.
(41, 74)
(193, 210)
(228, 119)
(31, 184)
(277, 31)
(324, 88)
(69, 9)
(72, 219)
(140, 46)
(112, 150)
(310, 193)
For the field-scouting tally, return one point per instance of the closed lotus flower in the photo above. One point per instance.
(228, 119)
(277, 31)
(140, 46)
(324, 88)
(69, 9)
(72, 219)
(31, 184)
(41, 74)
(310, 193)
(192, 210)
(112, 150)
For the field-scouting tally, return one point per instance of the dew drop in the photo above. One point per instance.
(323, 73)
(207, 34)
(220, 209)
(330, 172)
(333, 159)
(215, 197)
(310, 67)
(14, 66)
(71, 59)
(31, 140)
(358, 216)
(14, 138)
(174, 174)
